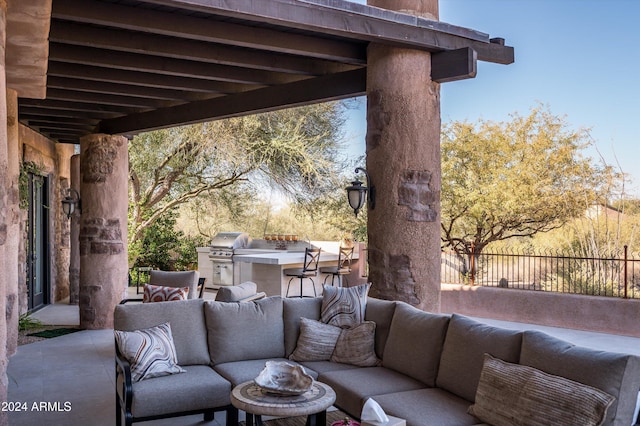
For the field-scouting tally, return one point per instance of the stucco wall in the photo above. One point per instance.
(593, 313)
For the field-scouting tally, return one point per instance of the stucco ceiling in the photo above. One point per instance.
(125, 66)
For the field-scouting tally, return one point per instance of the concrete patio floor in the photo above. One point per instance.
(76, 371)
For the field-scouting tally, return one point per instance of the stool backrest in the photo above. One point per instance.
(311, 259)
(345, 256)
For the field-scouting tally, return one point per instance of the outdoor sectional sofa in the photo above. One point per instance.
(429, 374)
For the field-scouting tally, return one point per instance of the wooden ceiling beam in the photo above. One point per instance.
(60, 126)
(107, 99)
(47, 113)
(59, 120)
(123, 89)
(78, 106)
(321, 89)
(138, 78)
(193, 50)
(165, 66)
(183, 26)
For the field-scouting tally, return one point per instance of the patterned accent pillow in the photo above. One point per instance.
(512, 394)
(150, 351)
(158, 293)
(316, 342)
(356, 346)
(344, 306)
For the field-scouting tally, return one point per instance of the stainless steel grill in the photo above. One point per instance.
(221, 253)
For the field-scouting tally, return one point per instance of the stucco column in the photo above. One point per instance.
(13, 220)
(74, 237)
(403, 160)
(4, 211)
(103, 228)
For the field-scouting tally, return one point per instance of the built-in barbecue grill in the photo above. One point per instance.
(222, 248)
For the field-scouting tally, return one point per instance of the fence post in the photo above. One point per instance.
(472, 272)
(626, 260)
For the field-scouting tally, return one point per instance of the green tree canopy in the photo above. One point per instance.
(294, 150)
(514, 179)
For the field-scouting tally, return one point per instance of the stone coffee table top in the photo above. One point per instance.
(251, 398)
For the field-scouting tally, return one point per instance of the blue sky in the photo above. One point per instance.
(580, 58)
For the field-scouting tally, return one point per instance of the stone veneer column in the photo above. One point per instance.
(4, 211)
(103, 228)
(13, 221)
(74, 237)
(403, 160)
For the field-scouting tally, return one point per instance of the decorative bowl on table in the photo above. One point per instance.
(282, 378)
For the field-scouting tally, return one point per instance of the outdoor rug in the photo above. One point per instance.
(55, 332)
(332, 416)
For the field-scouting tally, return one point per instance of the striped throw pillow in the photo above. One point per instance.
(150, 352)
(344, 306)
(158, 293)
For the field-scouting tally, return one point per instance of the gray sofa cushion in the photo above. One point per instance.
(199, 388)
(615, 374)
(463, 352)
(427, 406)
(321, 367)
(245, 331)
(242, 371)
(186, 318)
(353, 387)
(381, 312)
(294, 309)
(415, 343)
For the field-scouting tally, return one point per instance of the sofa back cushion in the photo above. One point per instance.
(614, 373)
(415, 343)
(463, 352)
(186, 318)
(381, 312)
(293, 309)
(245, 331)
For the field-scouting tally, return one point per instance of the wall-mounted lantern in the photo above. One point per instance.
(357, 194)
(71, 202)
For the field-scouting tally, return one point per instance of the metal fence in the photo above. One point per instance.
(614, 274)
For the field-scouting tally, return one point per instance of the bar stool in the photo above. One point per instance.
(342, 267)
(309, 270)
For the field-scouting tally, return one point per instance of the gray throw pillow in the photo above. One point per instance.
(344, 306)
(356, 346)
(316, 342)
(512, 395)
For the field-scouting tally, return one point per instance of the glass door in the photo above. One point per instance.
(38, 242)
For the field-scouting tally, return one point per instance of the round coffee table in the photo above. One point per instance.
(253, 400)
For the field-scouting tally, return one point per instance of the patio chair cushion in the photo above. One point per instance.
(381, 312)
(158, 293)
(511, 393)
(176, 279)
(463, 352)
(150, 352)
(187, 325)
(198, 388)
(415, 343)
(316, 342)
(354, 386)
(245, 331)
(344, 306)
(293, 310)
(235, 293)
(432, 406)
(616, 374)
(238, 372)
